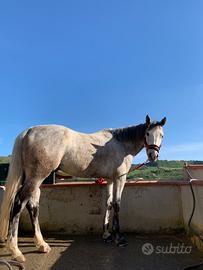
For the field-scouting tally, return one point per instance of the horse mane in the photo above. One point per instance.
(132, 133)
(129, 134)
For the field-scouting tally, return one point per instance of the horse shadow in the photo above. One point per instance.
(89, 252)
(106, 159)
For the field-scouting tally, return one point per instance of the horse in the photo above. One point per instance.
(40, 150)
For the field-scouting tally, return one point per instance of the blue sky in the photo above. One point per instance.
(91, 64)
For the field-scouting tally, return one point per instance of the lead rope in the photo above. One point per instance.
(101, 180)
(136, 168)
(195, 266)
(10, 263)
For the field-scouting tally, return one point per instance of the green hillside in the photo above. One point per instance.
(162, 169)
(4, 159)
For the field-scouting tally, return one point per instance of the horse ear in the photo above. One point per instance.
(163, 121)
(148, 120)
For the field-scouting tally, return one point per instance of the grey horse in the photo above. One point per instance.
(40, 150)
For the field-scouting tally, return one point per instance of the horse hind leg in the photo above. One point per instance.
(20, 202)
(33, 209)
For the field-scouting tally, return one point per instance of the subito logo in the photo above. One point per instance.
(147, 249)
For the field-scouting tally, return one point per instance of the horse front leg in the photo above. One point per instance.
(106, 234)
(119, 238)
(33, 209)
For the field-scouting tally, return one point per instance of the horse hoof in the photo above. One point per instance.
(121, 242)
(20, 258)
(44, 248)
(109, 239)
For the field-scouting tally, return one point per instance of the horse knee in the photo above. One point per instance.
(116, 207)
(109, 205)
(33, 209)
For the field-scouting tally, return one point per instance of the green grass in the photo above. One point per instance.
(162, 173)
(163, 169)
(5, 159)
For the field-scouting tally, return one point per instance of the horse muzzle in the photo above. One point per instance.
(152, 155)
(152, 151)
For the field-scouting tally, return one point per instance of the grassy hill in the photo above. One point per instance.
(163, 169)
(4, 159)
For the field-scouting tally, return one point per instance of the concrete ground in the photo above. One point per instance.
(89, 252)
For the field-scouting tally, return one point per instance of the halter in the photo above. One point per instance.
(151, 146)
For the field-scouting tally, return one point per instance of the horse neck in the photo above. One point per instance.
(134, 148)
(132, 138)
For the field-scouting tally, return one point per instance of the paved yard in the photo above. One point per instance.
(89, 252)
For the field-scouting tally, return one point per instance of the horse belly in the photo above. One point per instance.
(75, 163)
(86, 166)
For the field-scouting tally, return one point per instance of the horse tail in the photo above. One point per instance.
(13, 182)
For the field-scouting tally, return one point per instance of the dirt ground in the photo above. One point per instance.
(160, 252)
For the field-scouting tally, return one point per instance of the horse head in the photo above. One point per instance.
(153, 137)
